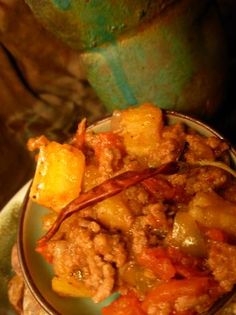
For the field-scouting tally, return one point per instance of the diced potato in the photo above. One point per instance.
(187, 236)
(114, 213)
(58, 176)
(141, 127)
(64, 287)
(212, 211)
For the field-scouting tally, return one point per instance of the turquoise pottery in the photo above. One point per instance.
(168, 52)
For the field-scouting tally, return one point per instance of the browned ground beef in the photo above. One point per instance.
(222, 261)
(102, 245)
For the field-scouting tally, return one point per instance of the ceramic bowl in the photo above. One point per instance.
(38, 273)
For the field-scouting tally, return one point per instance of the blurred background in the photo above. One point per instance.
(46, 92)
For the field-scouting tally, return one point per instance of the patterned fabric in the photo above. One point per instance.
(42, 90)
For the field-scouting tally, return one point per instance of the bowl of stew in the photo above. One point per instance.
(135, 214)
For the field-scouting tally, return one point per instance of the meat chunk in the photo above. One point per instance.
(111, 248)
(198, 149)
(88, 252)
(222, 262)
(196, 179)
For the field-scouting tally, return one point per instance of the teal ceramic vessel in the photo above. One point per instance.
(171, 53)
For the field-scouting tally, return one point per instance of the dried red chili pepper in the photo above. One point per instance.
(105, 190)
(79, 138)
(161, 188)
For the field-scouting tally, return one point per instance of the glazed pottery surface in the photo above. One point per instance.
(168, 52)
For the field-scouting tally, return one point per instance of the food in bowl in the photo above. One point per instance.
(146, 209)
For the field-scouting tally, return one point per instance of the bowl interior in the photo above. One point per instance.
(38, 273)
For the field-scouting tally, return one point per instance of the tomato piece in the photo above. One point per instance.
(43, 250)
(216, 235)
(189, 272)
(161, 188)
(187, 266)
(107, 140)
(157, 260)
(173, 289)
(124, 305)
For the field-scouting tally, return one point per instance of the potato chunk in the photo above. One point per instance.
(65, 287)
(213, 211)
(58, 176)
(140, 127)
(187, 236)
(114, 213)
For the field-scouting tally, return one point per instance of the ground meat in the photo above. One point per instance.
(156, 216)
(101, 277)
(196, 179)
(107, 160)
(198, 149)
(66, 257)
(139, 237)
(98, 274)
(160, 309)
(107, 285)
(131, 164)
(219, 146)
(176, 131)
(111, 247)
(88, 250)
(169, 147)
(178, 179)
(197, 303)
(222, 262)
(229, 309)
(205, 179)
(149, 229)
(136, 197)
(168, 150)
(109, 150)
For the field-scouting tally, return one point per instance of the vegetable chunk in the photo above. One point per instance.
(187, 236)
(124, 305)
(64, 287)
(58, 176)
(114, 213)
(170, 292)
(141, 128)
(212, 211)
